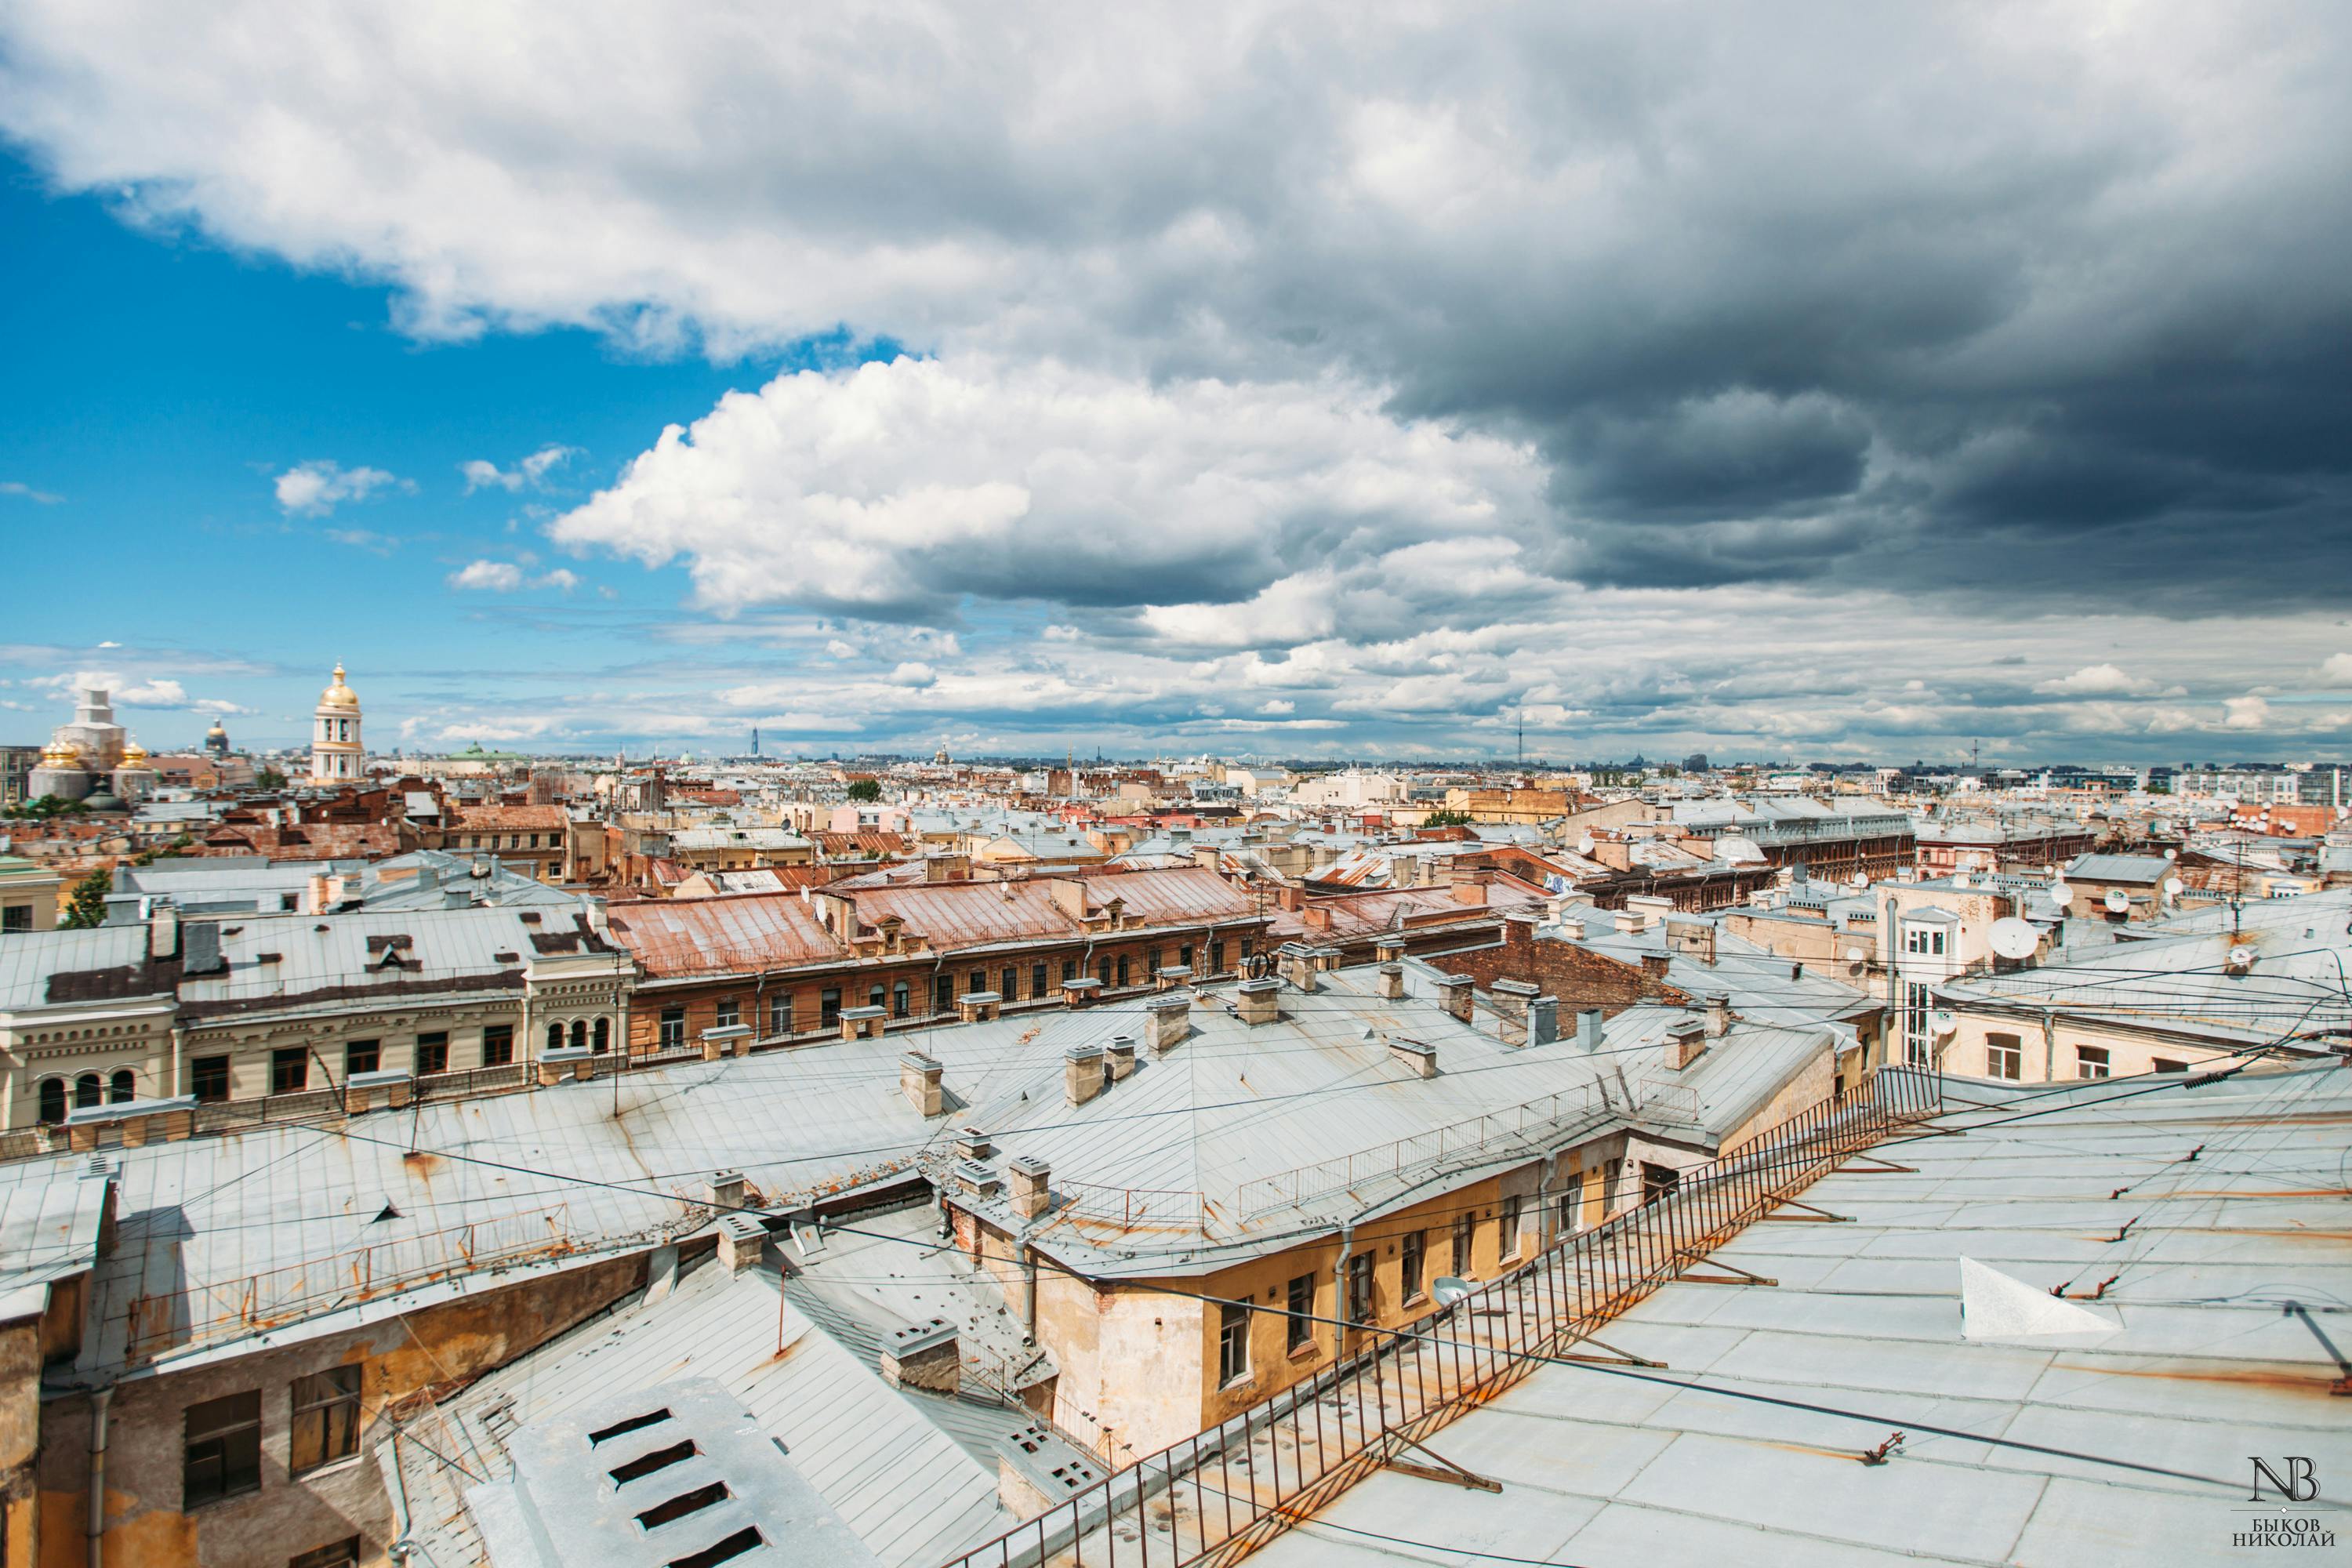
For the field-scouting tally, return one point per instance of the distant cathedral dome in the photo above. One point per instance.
(339, 695)
(134, 755)
(60, 754)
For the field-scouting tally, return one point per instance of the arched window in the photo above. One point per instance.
(556, 1037)
(123, 1087)
(88, 1091)
(604, 1035)
(53, 1101)
(579, 1033)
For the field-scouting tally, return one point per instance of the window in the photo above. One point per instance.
(1916, 1050)
(1249, 947)
(1923, 940)
(2158, 1064)
(555, 1035)
(1217, 956)
(16, 917)
(53, 1101)
(1414, 1242)
(344, 1553)
(362, 1055)
(601, 1035)
(2090, 1061)
(1102, 972)
(88, 1091)
(780, 1012)
(1232, 1343)
(433, 1052)
(943, 993)
(1359, 1287)
(1038, 984)
(1299, 1329)
(1464, 1227)
(1507, 1243)
(2002, 1057)
(123, 1088)
(828, 1007)
(673, 1028)
(1069, 970)
(1658, 1181)
(978, 980)
(222, 1456)
(497, 1045)
(1151, 963)
(1184, 956)
(326, 1419)
(208, 1080)
(1008, 986)
(1567, 1221)
(729, 1013)
(579, 1033)
(901, 999)
(1122, 969)
(289, 1070)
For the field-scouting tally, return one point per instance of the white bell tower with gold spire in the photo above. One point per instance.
(336, 755)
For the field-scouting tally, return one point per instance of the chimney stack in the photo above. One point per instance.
(1685, 1042)
(924, 1356)
(1718, 1014)
(1298, 965)
(1695, 938)
(163, 933)
(1031, 1192)
(1589, 1025)
(1511, 998)
(724, 1190)
(979, 1006)
(1421, 1057)
(1543, 1020)
(1653, 964)
(1120, 1055)
(741, 1239)
(972, 1144)
(1258, 1001)
(1454, 994)
(1079, 991)
(1171, 1020)
(918, 1079)
(1389, 947)
(1082, 1073)
(1629, 922)
(1393, 982)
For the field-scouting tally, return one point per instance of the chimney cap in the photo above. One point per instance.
(1031, 1165)
(1683, 1027)
(1085, 1052)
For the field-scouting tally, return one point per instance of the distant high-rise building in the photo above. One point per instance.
(1695, 763)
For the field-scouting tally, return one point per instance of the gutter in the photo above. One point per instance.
(100, 1398)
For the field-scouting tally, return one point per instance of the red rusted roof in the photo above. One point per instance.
(724, 935)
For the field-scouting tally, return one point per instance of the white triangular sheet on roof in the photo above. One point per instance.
(1995, 1307)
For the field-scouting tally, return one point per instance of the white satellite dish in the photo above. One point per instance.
(2241, 957)
(1584, 845)
(2173, 887)
(1944, 1024)
(2061, 894)
(2116, 900)
(1854, 955)
(2014, 938)
(1446, 1289)
(1861, 878)
(2172, 854)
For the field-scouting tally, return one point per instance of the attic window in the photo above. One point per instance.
(528, 916)
(683, 1504)
(506, 958)
(634, 1424)
(718, 1551)
(659, 1459)
(268, 957)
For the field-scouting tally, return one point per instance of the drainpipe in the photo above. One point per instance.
(1028, 1293)
(1339, 1294)
(100, 1398)
(179, 1056)
(1543, 1196)
(2048, 1047)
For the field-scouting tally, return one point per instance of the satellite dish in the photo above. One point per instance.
(2116, 900)
(1854, 955)
(1446, 1289)
(2241, 957)
(2014, 938)
(2172, 854)
(2061, 894)
(1862, 879)
(1944, 1024)
(2173, 887)
(1584, 845)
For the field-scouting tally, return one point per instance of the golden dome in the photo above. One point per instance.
(133, 755)
(218, 729)
(339, 695)
(60, 754)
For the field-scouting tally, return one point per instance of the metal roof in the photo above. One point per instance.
(2135, 868)
(898, 1482)
(29, 959)
(725, 935)
(2229, 1287)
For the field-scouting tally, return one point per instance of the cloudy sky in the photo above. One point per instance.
(1780, 381)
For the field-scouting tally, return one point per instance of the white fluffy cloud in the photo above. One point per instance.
(895, 488)
(2096, 680)
(315, 488)
(507, 577)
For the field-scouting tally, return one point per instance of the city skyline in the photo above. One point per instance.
(1878, 400)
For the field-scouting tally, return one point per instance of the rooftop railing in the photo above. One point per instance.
(1222, 1493)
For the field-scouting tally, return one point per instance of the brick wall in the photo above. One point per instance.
(1579, 978)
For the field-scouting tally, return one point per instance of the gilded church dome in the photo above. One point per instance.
(339, 695)
(134, 755)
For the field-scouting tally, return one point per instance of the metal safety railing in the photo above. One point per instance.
(1220, 1494)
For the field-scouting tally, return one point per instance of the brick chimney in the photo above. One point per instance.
(1172, 975)
(724, 1190)
(1454, 994)
(1298, 965)
(971, 1143)
(1653, 964)
(1389, 947)
(1082, 1073)
(918, 1080)
(1420, 1056)
(1695, 938)
(1685, 1042)
(1258, 1001)
(1120, 1055)
(979, 1006)
(741, 1239)
(1031, 1192)
(1511, 998)
(1391, 981)
(1079, 992)
(1629, 922)
(924, 1356)
(1171, 1020)
(1718, 1014)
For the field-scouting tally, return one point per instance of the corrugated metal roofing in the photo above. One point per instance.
(28, 959)
(2228, 1290)
(730, 934)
